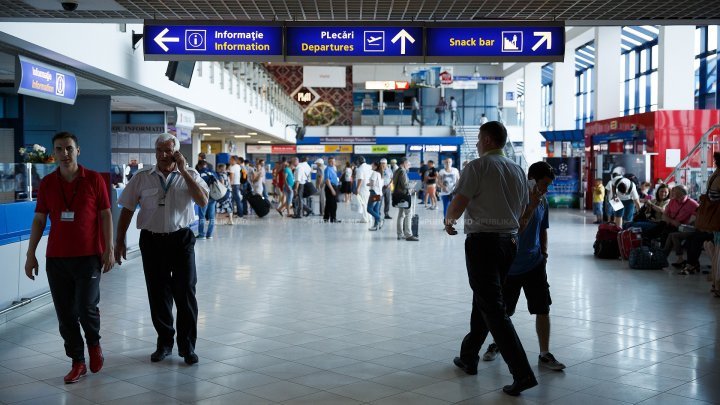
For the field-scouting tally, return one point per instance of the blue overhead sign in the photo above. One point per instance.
(37, 79)
(358, 43)
(495, 43)
(168, 41)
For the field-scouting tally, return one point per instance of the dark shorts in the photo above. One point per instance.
(536, 287)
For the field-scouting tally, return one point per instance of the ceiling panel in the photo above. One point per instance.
(380, 10)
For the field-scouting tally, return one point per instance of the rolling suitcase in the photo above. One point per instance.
(414, 221)
(628, 240)
(260, 205)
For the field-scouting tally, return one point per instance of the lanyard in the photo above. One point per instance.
(62, 191)
(166, 186)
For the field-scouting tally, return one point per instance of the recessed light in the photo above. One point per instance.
(264, 141)
(211, 128)
(252, 133)
(207, 134)
(200, 124)
(242, 136)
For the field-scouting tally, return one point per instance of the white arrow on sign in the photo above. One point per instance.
(545, 37)
(402, 36)
(160, 39)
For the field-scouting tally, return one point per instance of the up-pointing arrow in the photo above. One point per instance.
(545, 37)
(402, 36)
(160, 39)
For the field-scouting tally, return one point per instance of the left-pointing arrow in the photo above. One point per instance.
(160, 39)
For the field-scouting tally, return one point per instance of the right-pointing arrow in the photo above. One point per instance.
(160, 39)
(545, 37)
(402, 36)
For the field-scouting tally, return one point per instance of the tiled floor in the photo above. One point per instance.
(310, 313)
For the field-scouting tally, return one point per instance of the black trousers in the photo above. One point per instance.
(169, 265)
(330, 213)
(694, 246)
(75, 288)
(387, 200)
(488, 258)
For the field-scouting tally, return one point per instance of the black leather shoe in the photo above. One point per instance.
(472, 370)
(190, 358)
(160, 354)
(519, 386)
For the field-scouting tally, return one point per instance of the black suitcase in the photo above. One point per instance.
(415, 225)
(260, 205)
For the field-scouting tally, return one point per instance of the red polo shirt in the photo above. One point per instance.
(86, 196)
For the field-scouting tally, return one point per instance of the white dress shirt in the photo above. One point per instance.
(303, 172)
(363, 173)
(146, 189)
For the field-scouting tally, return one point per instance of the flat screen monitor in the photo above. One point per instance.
(180, 72)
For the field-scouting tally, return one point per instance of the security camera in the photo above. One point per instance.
(69, 5)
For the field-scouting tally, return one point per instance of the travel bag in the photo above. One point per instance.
(645, 258)
(260, 205)
(628, 240)
(606, 241)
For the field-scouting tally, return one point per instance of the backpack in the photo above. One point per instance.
(606, 242)
(243, 176)
(218, 191)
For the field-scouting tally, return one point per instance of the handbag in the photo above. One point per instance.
(707, 218)
(375, 197)
(309, 189)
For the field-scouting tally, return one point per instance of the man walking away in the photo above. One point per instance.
(401, 192)
(387, 175)
(453, 111)
(415, 110)
(332, 188)
(493, 193)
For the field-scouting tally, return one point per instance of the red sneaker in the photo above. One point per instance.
(96, 358)
(78, 370)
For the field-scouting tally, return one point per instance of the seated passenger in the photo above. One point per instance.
(652, 211)
(681, 208)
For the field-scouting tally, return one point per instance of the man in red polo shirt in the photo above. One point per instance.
(79, 246)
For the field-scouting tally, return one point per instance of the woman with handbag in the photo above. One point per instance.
(373, 206)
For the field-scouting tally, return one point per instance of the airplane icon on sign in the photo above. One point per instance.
(374, 39)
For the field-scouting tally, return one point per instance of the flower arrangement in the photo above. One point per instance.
(35, 154)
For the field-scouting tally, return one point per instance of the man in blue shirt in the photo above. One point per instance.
(332, 186)
(528, 270)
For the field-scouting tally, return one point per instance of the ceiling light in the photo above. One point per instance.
(264, 141)
(200, 124)
(242, 136)
(252, 133)
(207, 134)
(211, 128)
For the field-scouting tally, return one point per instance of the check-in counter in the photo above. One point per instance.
(15, 223)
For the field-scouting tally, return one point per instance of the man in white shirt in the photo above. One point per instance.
(234, 172)
(166, 193)
(448, 177)
(453, 111)
(303, 173)
(362, 191)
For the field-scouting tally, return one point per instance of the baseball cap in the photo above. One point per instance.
(319, 162)
(383, 160)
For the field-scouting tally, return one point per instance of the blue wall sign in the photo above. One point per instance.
(37, 79)
(366, 42)
(505, 43)
(167, 41)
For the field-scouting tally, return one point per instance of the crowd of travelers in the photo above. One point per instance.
(664, 217)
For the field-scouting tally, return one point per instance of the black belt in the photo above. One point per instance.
(492, 235)
(165, 234)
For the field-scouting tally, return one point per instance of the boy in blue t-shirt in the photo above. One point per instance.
(528, 271)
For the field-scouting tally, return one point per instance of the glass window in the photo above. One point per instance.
(654, 55)
(712, 38)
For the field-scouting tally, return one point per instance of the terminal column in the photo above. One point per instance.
(676, 75)
(564, 92)
(606, 81)
(532, 111)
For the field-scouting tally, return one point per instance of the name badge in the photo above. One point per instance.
(68, 216)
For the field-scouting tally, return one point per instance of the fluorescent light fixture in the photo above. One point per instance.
(211, 128)
(207, 134)
(264, 141)
(200, 124)
(252, 133)
(241, 136)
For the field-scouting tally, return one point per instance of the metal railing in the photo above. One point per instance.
(693, 169)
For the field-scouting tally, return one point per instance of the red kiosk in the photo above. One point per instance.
(663, 137)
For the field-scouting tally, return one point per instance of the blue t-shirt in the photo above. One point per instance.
(289, 177)
(331, 174)
(529, 254)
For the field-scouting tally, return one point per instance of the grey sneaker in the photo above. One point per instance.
(491, 353)
(412, 238)
(548, 361)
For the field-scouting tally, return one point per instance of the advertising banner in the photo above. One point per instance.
(565, 190)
